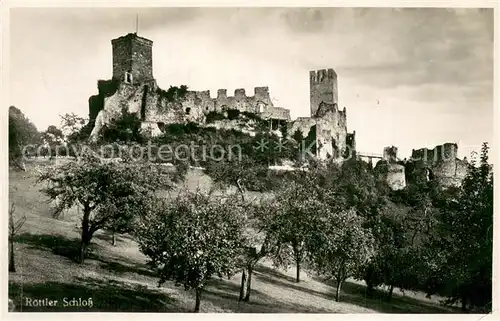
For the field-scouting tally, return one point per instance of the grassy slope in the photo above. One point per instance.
(117, 278)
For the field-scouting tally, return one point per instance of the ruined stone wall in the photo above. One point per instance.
(330, 130)
(126, 97)
(449, 173)
(323, 88)
(150, 104)
(276, 113)
(158, 109)
(439, 163)
(392, 173)
(133, 88)
(332, 138)
(351, 141)
(445, 152)
(196, 105)
(390, 154)
(150, 128)
(302, 124)
(96, 102)
(327, 146)
(257, 103)
(388, 169)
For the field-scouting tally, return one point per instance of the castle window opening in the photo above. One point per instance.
(275, 124)
(128, 77)
(429, 174)
(188, 110)
(261, 107)
(335, 149)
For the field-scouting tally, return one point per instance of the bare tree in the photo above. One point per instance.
(14, 227)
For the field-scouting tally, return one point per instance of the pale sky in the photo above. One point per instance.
(411, 78)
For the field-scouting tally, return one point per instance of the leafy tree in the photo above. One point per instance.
(466, 245)
(341, 246)
(246, 173)
(107, 191)
(193, 238)
(411, 258)
(123, 221)
(14, 227)
(360, 189)
(52, 139)
(174, 93)
(76, 130)
(259, 241)
(352, 188)
(71, 124)
(127, 128)
(292, 223)
(391, 238)
(22, 133)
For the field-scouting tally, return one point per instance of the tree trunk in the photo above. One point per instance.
(464, 303)
(19, 163)
(83, 250)
(12, 264)
(369, 288)
(243, 286)
(198, 300)
(389, 296)
(249, 284)
(337, 293)
(85, 233)
(297, 278)
(240, 189)
(297, 247)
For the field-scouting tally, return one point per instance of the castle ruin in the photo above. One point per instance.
(390, 169)
(133, 88)
(440, 163)
(327, 123)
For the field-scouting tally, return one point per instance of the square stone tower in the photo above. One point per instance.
(132, 59)
(323, 88)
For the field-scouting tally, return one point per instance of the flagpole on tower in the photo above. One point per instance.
(136, 23)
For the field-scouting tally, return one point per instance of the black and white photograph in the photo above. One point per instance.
(246, 159)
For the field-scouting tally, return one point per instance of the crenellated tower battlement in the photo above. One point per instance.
(323, 88)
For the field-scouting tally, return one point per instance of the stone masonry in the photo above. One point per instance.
(323, 88)
(390, 169)
(133, 88)
(327, 123)
(440, 164)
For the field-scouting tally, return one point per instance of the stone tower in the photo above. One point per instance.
(132, 59)
(323, 88)
(391, 154)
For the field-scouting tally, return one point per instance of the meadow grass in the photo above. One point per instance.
(118, 279)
